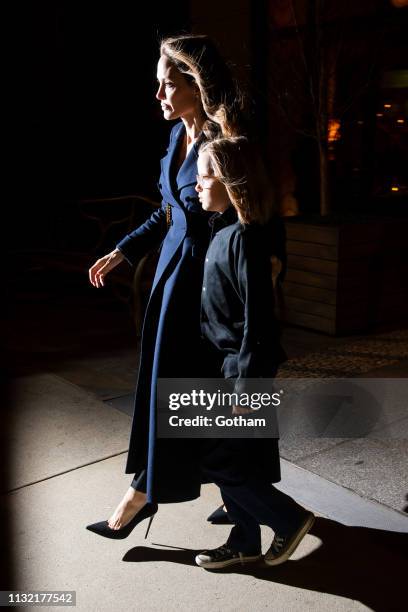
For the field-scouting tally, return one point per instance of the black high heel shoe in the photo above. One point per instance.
(219, 517)
(103, 529)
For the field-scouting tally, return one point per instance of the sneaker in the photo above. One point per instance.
(222, 557)
(284, 546)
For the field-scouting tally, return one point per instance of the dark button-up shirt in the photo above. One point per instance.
(237, 312)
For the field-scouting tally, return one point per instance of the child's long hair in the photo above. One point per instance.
(238, 165)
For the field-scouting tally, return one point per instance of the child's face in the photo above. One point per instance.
(211, 192)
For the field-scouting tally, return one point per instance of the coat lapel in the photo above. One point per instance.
(188, 170)
(168, 160)
(187, 174)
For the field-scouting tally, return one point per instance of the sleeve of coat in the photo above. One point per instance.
(136, 244)
(260, 352)
(149, 235)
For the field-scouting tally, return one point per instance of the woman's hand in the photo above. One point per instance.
(104, 265)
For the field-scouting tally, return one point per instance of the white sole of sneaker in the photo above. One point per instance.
(307, 525)
(221, 564)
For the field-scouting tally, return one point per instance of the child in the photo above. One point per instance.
(238, 321)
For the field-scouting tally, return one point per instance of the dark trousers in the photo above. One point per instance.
(139, 482)
(249, 497)
(250, 501)
(252, 504)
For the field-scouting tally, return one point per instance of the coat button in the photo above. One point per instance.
(206, 259)
(203, 288)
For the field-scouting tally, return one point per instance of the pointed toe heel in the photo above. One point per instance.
(102, 528)
(219, 517)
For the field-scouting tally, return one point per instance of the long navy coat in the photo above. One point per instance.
(172, 346)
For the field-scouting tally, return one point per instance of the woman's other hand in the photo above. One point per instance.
(104, 265)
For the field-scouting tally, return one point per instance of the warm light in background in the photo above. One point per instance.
(333, 130)
(399, 3)
(394, 188)
(387, 105)
(400, 120)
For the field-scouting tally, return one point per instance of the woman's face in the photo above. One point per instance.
(178, 97)
(211, 192)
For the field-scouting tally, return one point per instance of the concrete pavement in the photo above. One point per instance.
(73, 360)
(73, 481)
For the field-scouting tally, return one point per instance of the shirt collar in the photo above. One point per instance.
(220, 220)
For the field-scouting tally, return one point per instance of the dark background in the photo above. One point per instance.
(88, 122)
(88, 125)
(85, 125)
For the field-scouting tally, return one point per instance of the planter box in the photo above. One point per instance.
(346, 276)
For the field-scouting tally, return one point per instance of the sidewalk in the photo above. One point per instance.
(79, 379)
(61, 484)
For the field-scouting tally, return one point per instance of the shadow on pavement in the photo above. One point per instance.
(357, 563)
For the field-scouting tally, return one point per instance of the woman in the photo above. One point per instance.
(196, 87)
(238, 321)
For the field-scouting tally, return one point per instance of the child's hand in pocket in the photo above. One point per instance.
(241, 410)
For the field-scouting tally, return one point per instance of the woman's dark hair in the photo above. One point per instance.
(198, 59)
